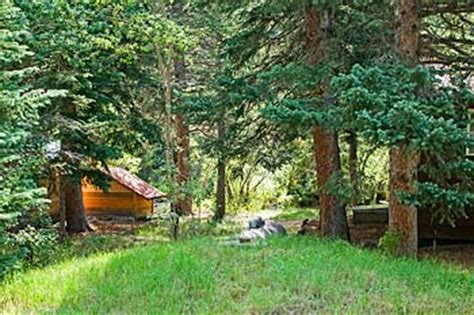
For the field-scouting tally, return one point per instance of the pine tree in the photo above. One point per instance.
(22, 154)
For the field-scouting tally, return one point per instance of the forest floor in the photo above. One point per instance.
(122, 270)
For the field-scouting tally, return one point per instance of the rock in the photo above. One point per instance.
(262, 232)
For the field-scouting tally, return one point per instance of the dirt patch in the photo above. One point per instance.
(114, 224)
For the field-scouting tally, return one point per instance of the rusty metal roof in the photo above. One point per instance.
(135, 183)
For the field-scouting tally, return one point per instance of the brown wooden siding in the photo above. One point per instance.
(463, 229)
(117, 200)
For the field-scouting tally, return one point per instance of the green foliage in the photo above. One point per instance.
(298, 178)
(29, 246)
(98, 52)
(374, 175)
(251, 187)
(393, 105)
(25, 233)
(390, 242)
(293, 274)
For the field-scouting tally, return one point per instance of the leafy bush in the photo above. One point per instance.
(298, 178)
(28, 240)
(390, 242)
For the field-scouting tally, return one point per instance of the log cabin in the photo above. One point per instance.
(127, 195)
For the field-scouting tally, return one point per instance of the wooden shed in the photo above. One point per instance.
(127, 195)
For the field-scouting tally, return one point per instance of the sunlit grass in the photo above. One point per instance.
(296, 214)
(200, 276)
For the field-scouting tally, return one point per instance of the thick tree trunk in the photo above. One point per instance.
(75, 212)
(403, 162)
(184, 201)
(333, 218)
(403, 218)
(220, 191)
(353, 174)
(408, 30)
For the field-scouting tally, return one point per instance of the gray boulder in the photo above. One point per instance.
(259, 229)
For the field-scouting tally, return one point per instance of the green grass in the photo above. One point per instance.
(296, 214)
(292, 274)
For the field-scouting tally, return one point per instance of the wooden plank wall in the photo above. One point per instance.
(463, 229)
(118, 200)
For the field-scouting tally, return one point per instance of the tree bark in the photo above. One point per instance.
(404, 162)
(221, 189)
(75, 212)
(408, 30)
(403, 218)
(333, 220)
(62, 205)
(184, 202)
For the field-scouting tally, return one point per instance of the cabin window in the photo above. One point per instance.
(470, 126)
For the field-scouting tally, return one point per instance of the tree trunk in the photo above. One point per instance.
(333, 220)
(62, 205)
(403, 218)
(220, 191)
(75, 212)
(408, 30)
(184, 203)
(404, 162)
(353, 147)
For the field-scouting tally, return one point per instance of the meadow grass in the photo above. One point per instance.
(284, 275)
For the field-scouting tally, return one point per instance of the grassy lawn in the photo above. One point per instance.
(291, 274)
(296, 214)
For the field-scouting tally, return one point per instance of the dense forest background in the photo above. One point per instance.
(232, 106)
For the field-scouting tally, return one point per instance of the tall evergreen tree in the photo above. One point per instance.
(22, 155)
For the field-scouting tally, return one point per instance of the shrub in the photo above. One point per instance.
(390, 242)
(29, 241)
